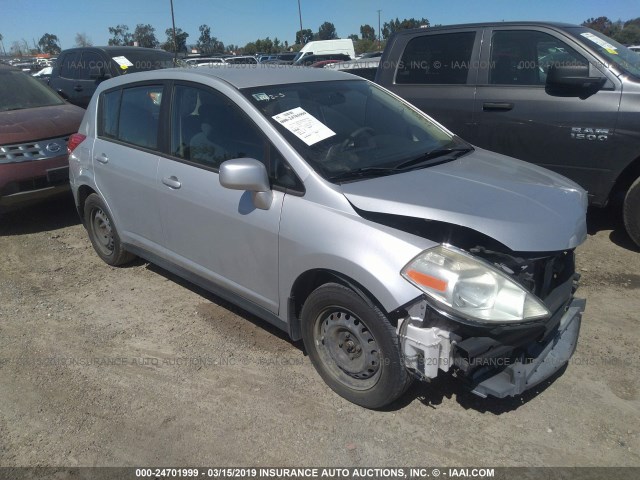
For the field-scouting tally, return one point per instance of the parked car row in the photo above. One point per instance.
(345, 215)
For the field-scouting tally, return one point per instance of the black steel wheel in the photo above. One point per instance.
(102, 232)
(353, 346)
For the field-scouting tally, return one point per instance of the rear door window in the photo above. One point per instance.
(132, 115)
(69, 65)
(443, 59)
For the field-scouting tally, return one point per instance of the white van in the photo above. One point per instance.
(327, 47)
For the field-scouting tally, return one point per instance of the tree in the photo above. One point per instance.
(120, 36)
(629, 34)
(264, 46)
(354, 38)
(82, 40)
(145, 36)
(206, 43)
(365, 45)
(181, 40)
(50, 44)
(16, 49)
(4, 52)
(327, 31)
(304, 36)
(250, 49)
(601, 24)
(367, 32)
(392, 26)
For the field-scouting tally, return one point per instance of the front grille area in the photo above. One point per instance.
(30, 151)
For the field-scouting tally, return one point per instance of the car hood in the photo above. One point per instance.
(19, 126)
(525, 207)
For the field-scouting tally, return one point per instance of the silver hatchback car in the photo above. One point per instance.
(333, 209)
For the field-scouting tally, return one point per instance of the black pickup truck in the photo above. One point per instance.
(562, 96)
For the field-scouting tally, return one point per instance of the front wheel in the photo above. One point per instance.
(631, 211)
(103, 234)
(353, 346)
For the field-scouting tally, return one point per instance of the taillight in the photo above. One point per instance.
(75, 140)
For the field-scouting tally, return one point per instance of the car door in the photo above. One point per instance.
(125, 160)
(517, 116)
(84, 86)
(436, 72)
(212, 231)
(64, 75)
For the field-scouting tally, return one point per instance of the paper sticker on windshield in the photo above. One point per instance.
(304, 125)
(598, 41)
(261, 97)
(123, 62)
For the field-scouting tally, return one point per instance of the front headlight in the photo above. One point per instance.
(469, 286)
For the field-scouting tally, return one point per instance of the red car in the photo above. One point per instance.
(35, 124)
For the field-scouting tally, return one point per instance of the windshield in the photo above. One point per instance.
(19, 91)
(349, 130)
(614, 52)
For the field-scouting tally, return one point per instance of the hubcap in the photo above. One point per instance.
(347, 341)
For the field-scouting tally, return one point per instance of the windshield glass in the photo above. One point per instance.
(614, 52)
(19, 91)
(348, 130)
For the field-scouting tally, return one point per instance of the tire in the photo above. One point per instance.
(353, 346)
(631, 212)
(103, 234)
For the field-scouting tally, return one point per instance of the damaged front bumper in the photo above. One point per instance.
(500, 361)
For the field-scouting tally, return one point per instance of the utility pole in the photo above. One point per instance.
(175, 44)
(379, 29)
(300, 15)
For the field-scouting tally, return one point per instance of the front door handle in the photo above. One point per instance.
(497, 106)
(172, 182)
(102, 158)
(78, 88)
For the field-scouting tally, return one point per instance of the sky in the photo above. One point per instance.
(241, 21)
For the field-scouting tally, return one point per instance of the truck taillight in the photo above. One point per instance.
(75, 140)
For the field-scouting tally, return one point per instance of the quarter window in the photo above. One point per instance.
(523, 57)
(442, 59)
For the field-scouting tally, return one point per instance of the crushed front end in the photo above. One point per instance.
(465, 323)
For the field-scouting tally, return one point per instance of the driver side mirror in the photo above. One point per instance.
(247, 174)
(572, 81)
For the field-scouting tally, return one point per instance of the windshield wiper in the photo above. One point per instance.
(437, 153)
(381, 171)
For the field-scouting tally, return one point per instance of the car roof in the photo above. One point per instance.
(487, 24)
(240, 76)
(118, 49)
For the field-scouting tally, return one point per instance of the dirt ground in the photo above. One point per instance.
(132, 366)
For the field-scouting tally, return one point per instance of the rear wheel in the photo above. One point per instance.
(102, 232)
(353, 346)
(631, 211)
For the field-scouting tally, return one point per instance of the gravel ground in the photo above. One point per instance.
(132, 366)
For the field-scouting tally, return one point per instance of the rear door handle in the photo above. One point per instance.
(172, 182)
(78, 88)
(102, 158)
(497, 106)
